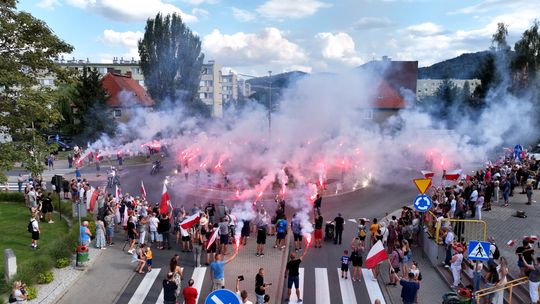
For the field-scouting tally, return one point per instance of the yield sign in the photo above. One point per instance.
(422, 184)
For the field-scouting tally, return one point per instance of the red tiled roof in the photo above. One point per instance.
(387, 97)
(124, 91)
(396, 78)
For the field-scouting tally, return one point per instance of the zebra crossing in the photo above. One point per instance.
(317, 286)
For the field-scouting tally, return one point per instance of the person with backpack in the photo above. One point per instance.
(33, 227)
(296, 226)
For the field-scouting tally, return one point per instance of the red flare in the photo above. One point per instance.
(308, 239)
(283, 189)
(237, 243)
(260, 194)
(238, 193)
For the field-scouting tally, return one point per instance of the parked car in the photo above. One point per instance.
(62, 146)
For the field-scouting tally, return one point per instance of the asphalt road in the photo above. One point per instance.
(373, 201)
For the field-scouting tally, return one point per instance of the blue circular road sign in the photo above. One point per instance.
(422, 203)
(222, 296)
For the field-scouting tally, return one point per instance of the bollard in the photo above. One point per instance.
(10, 264)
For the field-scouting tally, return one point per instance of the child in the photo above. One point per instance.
(149, 257)
(345, 264)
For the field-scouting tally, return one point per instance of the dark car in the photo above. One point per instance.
(62, 146)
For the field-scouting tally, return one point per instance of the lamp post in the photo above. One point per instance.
(270, 104)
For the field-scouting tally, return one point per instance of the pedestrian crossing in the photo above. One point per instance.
(318, 286)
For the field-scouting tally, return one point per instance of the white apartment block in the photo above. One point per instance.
(428, 87)
(214, 88)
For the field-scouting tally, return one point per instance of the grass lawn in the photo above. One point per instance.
(14, 219)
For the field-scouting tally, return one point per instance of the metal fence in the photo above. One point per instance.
(464, 230)
(506, 290)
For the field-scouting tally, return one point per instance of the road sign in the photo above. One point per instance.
(222, 296)
(422, 203)
(478, 251)
(422, 184)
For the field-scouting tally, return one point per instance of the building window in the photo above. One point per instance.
(102, 71)
(367, 114)
(117, 113)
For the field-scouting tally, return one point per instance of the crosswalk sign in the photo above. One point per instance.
(478, 251)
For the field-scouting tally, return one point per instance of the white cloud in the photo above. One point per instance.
(424, 29)
(126, 39)
(199, 2)
(339, 47)
(130, 10)
(48, 4)
(487, 5)
(200, 12)
(268, 47)
(372, 23)
(290, 8)
(242, 15)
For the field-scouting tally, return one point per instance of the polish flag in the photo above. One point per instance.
(143, 191)
(93, 199)
(212, 239)
(164, 204)
(428, 174)
(126, 216)
(452, 175)
(533, 238)
(190, 221)
(376, 255)
(510, 243)
(117, 195)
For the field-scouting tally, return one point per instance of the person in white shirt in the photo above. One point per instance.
(153, 222)
(455, 266)
(35, 231)
(472, 201)
(243, 295)
(448, 241)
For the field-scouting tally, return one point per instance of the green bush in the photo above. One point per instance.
(26, 272)
(45, 277)
(62, 262)
(12, 197)
(62, 248)
(31, 291)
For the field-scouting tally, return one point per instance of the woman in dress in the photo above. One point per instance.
(502, 270)
(100, 235)
(178, 272)
(407, 255)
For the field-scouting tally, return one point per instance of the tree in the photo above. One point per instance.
(92, 113)
(499, 38)
(528, 51)
(27, 50)
(171, 61)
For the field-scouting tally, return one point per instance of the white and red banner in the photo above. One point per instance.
(452, 175)
(428, 174)
(143, 191)
(190, 221)
(212, 239)
(376, 254)
(117, 195)
(164, 204)
(93, 199)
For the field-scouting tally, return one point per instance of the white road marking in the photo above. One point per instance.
(293, 298)
(347, 289)
(322, 290)
(144, 287)
(373, 288)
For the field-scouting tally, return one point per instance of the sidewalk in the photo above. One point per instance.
(504, 226)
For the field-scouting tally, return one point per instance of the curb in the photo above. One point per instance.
(281, 282)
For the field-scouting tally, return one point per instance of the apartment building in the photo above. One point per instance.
(428, 87)
(229, 88)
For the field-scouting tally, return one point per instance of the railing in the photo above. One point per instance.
(464, 230)
(509, 287)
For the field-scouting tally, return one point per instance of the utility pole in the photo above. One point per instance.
(270, 104)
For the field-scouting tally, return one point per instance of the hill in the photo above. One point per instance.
(462, 67)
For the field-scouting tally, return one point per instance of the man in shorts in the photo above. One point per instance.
(223, 235)
(217, 271)
(261, 239)
(293, 270)
(296, 226)
(281, 228)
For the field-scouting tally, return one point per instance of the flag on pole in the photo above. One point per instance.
(452, 175)
(88, 196)
(376, 255)
(212, 239)
(190, 221)
(125, 219)
(143, 191)
(117, 195)
(164, 204)
(93, 199)
(427, 174)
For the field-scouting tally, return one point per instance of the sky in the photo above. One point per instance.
(257, 36)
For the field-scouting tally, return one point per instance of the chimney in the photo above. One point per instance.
(128, 74)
